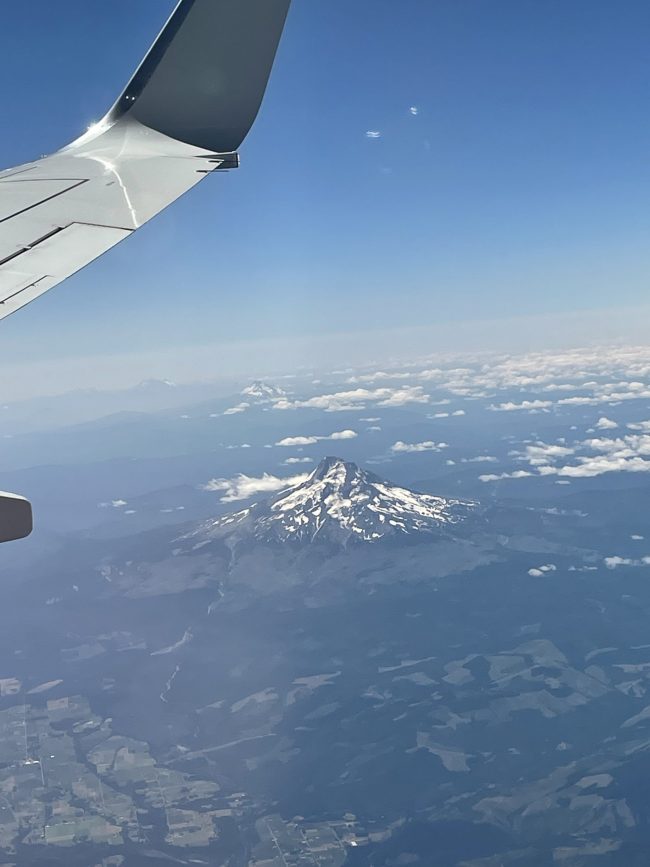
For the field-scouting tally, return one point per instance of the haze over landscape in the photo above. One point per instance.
(339, 617)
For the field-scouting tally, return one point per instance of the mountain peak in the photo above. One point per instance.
(338, 502)
(155, 384)
(336, 470)
(263, 390)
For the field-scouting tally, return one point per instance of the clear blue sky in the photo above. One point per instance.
(522, 186)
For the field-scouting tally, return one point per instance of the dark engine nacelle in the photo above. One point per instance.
(15, 517)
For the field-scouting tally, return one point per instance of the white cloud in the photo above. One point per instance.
(234, 410)
(493, 477)
(414, 110)
(542, 570)
(480, 459)
(342, 435)
(378, 376)
(411, 448)
(459, 412)
(628, 454)
(358, 398)
(406, 395)
(289, 442)
(509, 406)
(599, 375)
(615, 562)
(290, 461)
(606, 424)
(373, 134)
(243, 487)
(541, 454)
(119, 504)
(578, 401)
(636, 538)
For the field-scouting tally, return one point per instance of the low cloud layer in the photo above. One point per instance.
(587, 458)
(244, 487)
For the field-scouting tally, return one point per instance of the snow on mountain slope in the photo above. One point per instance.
(339, 501)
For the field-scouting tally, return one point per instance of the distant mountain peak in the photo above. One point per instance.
(339, 502)
(263, 390)
(155, 384)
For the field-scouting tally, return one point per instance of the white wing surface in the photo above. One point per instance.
(183, 116)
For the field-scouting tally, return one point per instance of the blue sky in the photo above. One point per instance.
(520, 188)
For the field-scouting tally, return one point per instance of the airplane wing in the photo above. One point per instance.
(187, 109)
(182, 117)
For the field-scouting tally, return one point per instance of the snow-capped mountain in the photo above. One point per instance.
(340, 502)
(263, 391)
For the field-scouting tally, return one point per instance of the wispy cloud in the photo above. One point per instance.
(235, 410)
(244, 487)
(497, 477)
(378, 376)
(373, 134)
(414, 110)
